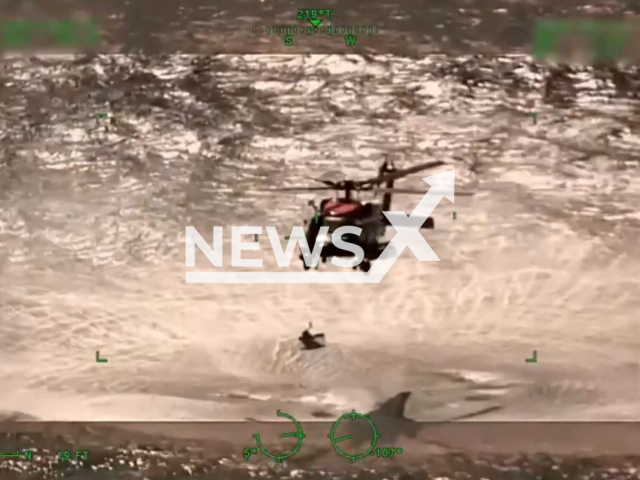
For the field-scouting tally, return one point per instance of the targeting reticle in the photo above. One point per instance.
(299, 434)
(353, 416)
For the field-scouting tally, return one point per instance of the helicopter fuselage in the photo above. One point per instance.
(339, 213)
(336, 213)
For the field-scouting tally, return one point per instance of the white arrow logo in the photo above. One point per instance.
(408, 235)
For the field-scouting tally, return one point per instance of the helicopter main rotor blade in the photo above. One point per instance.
(402, 173)
(295, 189)
(328, 183)
(416, 191)
(330, 178)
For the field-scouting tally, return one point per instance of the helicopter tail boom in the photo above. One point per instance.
(429, 223)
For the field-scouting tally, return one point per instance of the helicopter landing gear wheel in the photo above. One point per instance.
(365, 266)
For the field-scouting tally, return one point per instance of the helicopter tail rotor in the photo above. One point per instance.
(387, 167)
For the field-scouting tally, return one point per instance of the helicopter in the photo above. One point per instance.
(346, 211)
